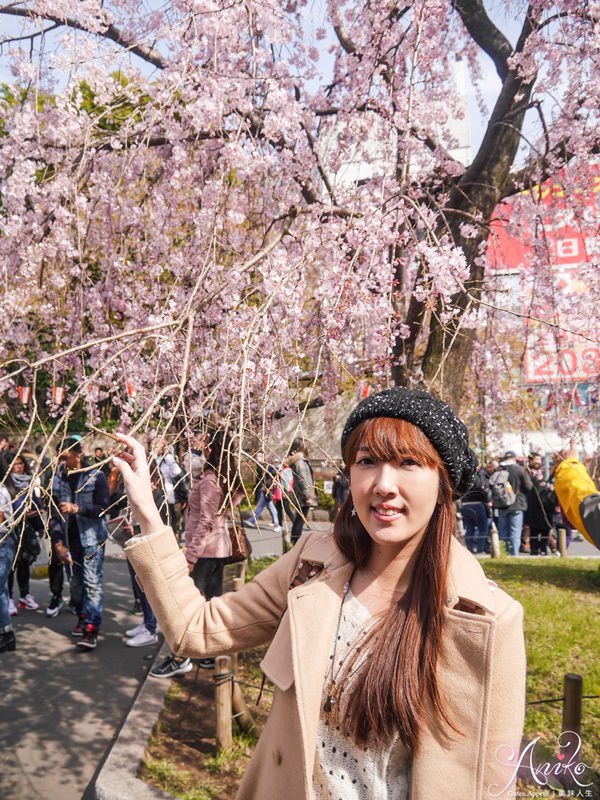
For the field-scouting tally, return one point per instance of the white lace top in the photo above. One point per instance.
(343, 771)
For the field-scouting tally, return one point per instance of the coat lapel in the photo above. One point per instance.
(314, 609)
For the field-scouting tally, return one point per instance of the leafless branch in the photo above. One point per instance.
(148, 54)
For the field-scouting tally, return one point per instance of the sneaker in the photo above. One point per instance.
(142, 639)
(170, 667)
(72, 608)
(278, 529)
(12, 609)
(79, 629)
(7, 642)
(205, 663)
(137, 608)
(134, 631)
(54, 606)
(250, 523)
(29, 602)
(89, 638)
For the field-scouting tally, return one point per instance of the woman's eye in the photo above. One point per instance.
(365, 460)
(409, 462)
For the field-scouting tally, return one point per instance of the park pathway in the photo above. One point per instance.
(60, 708)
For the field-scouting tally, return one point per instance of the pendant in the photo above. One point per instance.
(329, 703)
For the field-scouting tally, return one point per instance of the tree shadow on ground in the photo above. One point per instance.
(61, 706)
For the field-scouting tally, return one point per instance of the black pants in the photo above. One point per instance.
(208, 576)
(23, 571)
(284, 505)
(298, 524)
(538, 540)
(55, 570)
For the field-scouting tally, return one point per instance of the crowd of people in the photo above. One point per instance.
(516, 495)
(79, 500)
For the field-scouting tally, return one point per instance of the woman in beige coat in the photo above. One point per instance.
(399, 669)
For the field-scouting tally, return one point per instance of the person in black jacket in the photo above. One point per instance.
(541, 502)
(509, 486)
(474, 509)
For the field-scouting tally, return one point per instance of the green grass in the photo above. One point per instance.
(226, 759)
(174, 780)
(174, 691)
(39, 572)
(257, 565)
(561, 600)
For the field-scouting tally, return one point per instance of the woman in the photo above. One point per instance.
(207, 539)
(304, 486)
(18, 483)
(399, 669)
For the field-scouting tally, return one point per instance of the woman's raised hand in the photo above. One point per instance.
(133, 465)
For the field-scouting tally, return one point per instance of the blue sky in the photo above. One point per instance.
(315, 18)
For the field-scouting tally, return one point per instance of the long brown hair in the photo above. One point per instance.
(396, 687)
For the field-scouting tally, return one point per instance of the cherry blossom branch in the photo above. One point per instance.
(112, 33)
(29, 36)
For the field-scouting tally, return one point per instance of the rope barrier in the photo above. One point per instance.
(253, 686)
(222, 677)
(561, 699)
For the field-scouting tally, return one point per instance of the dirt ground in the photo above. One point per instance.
(182, 756)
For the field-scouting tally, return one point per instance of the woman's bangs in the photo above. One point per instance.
(389, 439)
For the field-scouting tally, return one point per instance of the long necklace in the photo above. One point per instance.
(331, 700)
(396, 592)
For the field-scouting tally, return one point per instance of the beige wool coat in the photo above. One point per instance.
(481, 672)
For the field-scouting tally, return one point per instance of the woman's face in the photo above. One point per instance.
(18, 466)
(394, 500)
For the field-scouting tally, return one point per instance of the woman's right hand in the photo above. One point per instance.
(133, 466)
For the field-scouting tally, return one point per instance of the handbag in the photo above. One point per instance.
(241, 549)
(30, 548)
(276, 494)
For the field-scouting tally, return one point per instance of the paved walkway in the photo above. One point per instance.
(60, 708)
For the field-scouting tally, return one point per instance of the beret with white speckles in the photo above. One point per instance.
(435, 418)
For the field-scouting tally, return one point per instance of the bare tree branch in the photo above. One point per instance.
(149, 54)
(345, 40)
(29, 36)
(483, 31)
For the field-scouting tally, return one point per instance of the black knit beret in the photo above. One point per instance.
(435, 418)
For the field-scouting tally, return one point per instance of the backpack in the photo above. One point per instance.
(287, 479)
(503, 494)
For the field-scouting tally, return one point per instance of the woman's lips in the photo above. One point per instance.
(387, 514)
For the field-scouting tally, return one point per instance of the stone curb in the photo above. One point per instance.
(117, 780)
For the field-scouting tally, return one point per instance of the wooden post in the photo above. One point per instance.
(495, 543)
(571, 717)
(243, 717)
(571, 720)
(223, 702)
(562, 542)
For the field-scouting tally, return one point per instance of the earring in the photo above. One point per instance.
(353, 512)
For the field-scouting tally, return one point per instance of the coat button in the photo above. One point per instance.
(277, 758)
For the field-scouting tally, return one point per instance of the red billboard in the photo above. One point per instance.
(560, 346)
